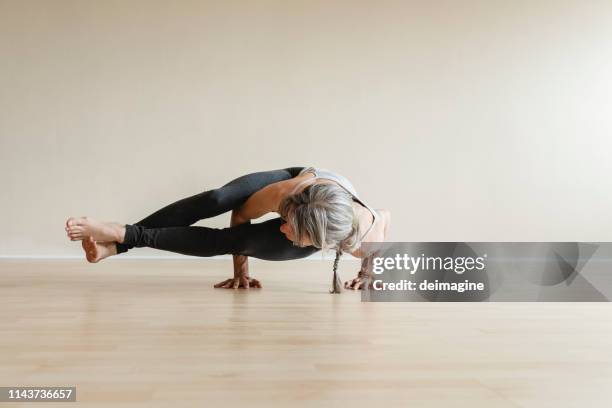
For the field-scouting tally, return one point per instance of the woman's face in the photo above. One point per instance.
(288, 231)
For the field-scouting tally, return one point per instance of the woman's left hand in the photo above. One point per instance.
(359, 283)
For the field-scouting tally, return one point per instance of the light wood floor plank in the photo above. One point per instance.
(136, 333)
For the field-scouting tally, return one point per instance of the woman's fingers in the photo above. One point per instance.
(356, 283)
(221, 284)
(240, 282)
(350, 284)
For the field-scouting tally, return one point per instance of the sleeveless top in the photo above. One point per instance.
(320, 173)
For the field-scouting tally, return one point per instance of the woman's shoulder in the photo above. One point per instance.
(378, 233)
(386, 220)
(385, 214)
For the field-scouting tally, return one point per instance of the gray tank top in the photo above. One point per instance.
(344, 183)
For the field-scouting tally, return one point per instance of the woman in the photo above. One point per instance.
(318, 209)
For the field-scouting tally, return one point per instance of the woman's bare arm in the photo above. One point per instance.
(258, 204)
(361, 280)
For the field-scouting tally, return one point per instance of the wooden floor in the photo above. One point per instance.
(134, 333)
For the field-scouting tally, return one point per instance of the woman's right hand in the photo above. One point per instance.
(243, 281)
(241, 277)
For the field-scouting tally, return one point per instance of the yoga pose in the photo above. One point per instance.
(318, 210)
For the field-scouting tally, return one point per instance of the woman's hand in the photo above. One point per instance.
(363, 276)
(237, 282)
(359, 283)
(241, 277)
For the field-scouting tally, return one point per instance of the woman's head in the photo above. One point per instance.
(321, 215)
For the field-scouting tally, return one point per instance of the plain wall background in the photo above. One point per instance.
(469, 120)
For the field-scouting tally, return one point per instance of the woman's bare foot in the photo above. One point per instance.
(96, 251)
(79, 228)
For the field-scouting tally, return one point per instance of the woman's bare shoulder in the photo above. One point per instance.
(377, 234)
(386, 216)
(285, 187)
(281, 189)
(382, 228)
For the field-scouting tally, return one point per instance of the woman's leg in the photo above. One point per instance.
(211, 203)
(262, 240)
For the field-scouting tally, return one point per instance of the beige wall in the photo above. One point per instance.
(469, 120)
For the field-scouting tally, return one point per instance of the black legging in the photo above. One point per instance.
(170, 229)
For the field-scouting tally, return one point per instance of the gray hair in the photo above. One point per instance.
(325, 213)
